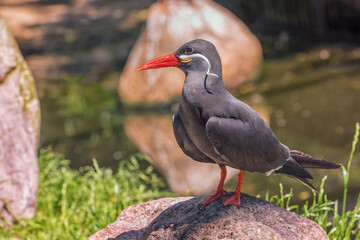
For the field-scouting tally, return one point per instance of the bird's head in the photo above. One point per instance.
(197, 55)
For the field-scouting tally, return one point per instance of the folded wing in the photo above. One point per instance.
(245, 145)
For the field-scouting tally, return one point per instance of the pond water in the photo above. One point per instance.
(311, 100)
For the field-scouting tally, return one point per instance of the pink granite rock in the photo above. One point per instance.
(19, 131)
(180, 218)
(172, 23)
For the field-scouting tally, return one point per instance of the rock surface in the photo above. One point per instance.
(19, 131)
(180, 218)
(172, 23)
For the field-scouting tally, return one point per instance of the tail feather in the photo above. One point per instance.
(293, 168)
(307, 161)
(306, 183)
(298, 161)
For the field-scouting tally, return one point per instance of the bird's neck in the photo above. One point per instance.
(200, 86)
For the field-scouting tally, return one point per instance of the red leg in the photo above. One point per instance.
(220, 189)
(235, 199)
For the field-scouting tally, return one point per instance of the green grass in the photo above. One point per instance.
(73, 204)
(339, 225)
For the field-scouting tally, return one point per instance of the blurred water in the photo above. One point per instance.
(311, 98)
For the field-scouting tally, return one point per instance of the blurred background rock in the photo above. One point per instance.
(308, 87)
(19, 132)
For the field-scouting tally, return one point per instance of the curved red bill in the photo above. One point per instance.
(165, 61)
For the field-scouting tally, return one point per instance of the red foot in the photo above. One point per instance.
(232, 200)
(235, 199)
(212, 198)
(219, 192)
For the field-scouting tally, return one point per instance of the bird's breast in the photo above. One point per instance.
(194, 125)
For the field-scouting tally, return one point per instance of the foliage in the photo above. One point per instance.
(342, 225)
(73, 204)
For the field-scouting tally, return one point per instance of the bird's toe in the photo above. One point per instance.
(211, 199)
(231, 200)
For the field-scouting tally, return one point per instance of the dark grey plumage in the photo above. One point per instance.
(186, 144)
(213, 126)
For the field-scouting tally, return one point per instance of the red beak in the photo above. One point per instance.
(165, 61)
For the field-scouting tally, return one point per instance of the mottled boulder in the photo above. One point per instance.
(172, 23)
(180, 218)
(19, 131)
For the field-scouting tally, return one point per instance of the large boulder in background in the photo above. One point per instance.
(19, 131)
(180, 218)
(172, 23)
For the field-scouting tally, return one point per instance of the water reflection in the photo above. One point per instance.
(84, 122)
(311, 100)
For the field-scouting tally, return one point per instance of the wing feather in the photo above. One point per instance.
(247, 146)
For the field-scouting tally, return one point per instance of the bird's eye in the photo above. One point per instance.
(189, 50)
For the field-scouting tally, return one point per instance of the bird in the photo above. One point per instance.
(212, 126)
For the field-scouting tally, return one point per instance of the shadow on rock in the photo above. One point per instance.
(180, 218)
